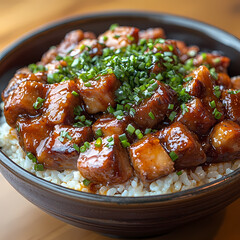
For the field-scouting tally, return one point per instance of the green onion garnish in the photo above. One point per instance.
(39, 102)
(172, 115)
(98, 142)
(151, 115)
(86, 182)
(173, 156)
(130, 129)
(99, 132)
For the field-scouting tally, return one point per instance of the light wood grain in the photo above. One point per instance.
(23, 221)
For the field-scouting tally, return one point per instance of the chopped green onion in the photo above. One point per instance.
(76, 147)
(98, 142)
(105, 38)
(234, 91)
(113, 26)
(139, 134)
(123, 137)
(38, 167)
(170, 106)
(39, 102)
(131, 38)
(116, 36)
(204, 56)
(184, 108)
(172, 115)
(75, 93)
(87, 145)
(130, 129)
(88, 122)
(125, 143)
(179, 173)
(151, 115)
(99, 132)
(31, 157)
(64, 134)
(147, 131)
(83, 149)
(110, 109)
(217, 91)
(217, 60)
(87, 84)
(213, 73)
(173, 156)
(217, 114)
(119, 107)
(86, 182)
(212, 104)
(118, 113)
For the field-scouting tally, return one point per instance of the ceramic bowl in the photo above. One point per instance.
(121, 216)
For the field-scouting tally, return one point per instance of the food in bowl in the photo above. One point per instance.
(129, 113)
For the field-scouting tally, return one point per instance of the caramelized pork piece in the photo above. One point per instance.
(231, 101)
(225, 142)
(154, 109)
(100, 94)
(197, 117)
(92, 46)
(105, 163)
(224, 81)
(152, 33)
(60, 103)
(69, 43)
(22, 75)
(110, 125)
(21, 101)
(202, 86)
(235, 82)
(31, 132)
(119, 37)
(166, 46)
(149, 159)
(220, 63)
(178, 140)
(89, 35)
(185, 51)
(60, 151)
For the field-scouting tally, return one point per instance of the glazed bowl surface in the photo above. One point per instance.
(121, 216)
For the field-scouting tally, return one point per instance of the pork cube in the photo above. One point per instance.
(154, 109)
(22, 75)
(21, 101)
(61, 150)
(105, 163)
(197, 117)
(235, 82)
(231, 102)
(31, 132)
(92, 46)
(179, 141)
(224, 80)
(152, 33)
(100, 94)
(69, 43)
(166, 46)
(149, 159)
(220, 63)
(119, 37)
(60, 103)
(201, 84)
(110, 125)
(225, 141)
(185, 51)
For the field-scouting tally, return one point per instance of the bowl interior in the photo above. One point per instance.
(30, 48)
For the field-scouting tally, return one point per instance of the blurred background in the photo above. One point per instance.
(24, 221)
(20, 16)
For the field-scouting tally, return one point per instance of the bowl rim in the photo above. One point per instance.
(216, 33)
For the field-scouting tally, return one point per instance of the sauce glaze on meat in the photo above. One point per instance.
(125, 103)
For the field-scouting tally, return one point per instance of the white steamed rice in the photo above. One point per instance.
(134, 187)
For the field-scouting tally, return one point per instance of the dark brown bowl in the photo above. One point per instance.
(121, 216)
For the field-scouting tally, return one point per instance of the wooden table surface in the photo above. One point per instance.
(23, 221)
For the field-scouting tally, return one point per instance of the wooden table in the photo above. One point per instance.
(20, 219)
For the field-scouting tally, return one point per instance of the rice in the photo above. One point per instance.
(132, 188)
